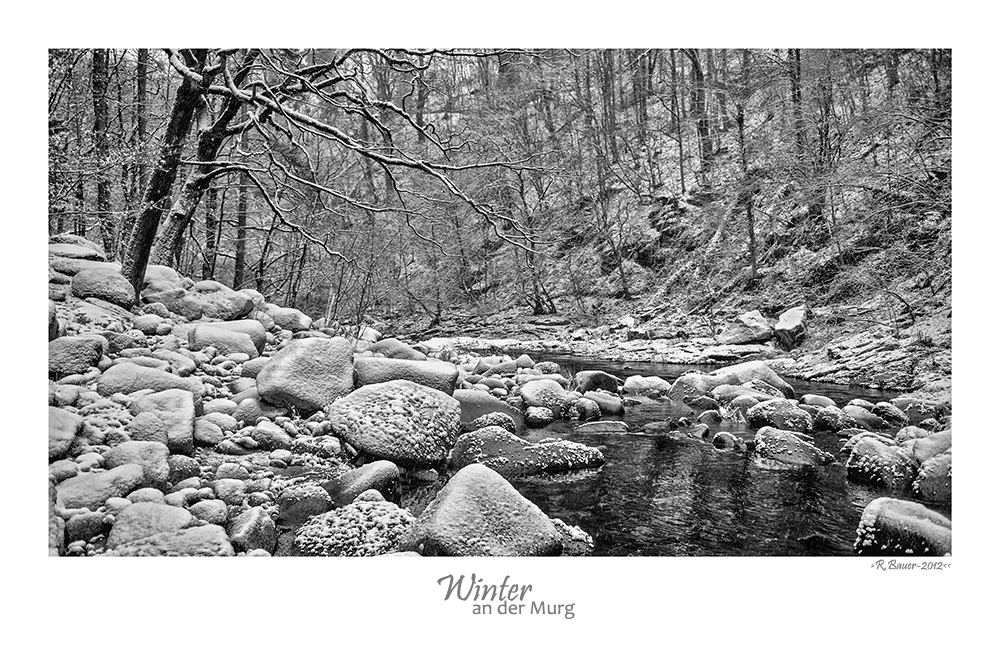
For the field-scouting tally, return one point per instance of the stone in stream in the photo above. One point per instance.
(182, 467)
(610, 404)
(695, 383)
(833, 419)
(782, 414)
(884, 465)
(253, 367)
(728, 441)
(817, 400)
(166, 416)
(144, 519)
(105, 284)
(227, 341)
(439, 375)
(848, 447)
(299, 502)
(366, 527)
(308, 374)
(587, 380)
(64, 426)
(208, 299)
(918, 410)
(401, 421)
(749, 371)
(933, 480)
(381, 476)
(791, 327)
(75, 246)
(751, 327)
(780, 448)
(208, 540)
(253, 529)
(642, 384)
(537, 417)
(868, 420)
(129, 377)
(91, 490)
(150, 455)
(896, 527)
(546, 394)
(710, 417)
(475, 404)
(498, 419)
(506, 368)
(725, 394)
(604, 427)
(511, 455)
(148, 323)
(892, 415)
(288, 318)
(395, 348)
(478, 513)
(587, 408)
(75, 354)
(931, 445)
(53, 322)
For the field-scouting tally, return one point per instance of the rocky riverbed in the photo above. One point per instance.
(208, 421)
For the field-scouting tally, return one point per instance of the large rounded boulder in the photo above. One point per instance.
(130, 377)
(782, 414)
(226, 341)
(476, 404)
(873, 461)
(546, 393)
(588, 380)
(64, 426)
(439, 375)
(749, 371)
(780, 448)
(401, 421)
(308, 374)
(395, 348)
(75, 354)
(899, 527)
(478, 513)
(104, 283)
(362, 528)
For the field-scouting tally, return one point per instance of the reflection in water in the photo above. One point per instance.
(658, 495)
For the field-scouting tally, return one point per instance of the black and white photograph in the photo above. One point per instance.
(500, 302)
(412, 318)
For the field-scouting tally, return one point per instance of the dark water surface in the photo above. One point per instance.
(661, 496)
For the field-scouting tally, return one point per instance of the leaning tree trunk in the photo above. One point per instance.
(157, 197)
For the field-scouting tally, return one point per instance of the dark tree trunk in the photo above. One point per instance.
(240, 272)
(212, 221)
(99, 76)
(795, 67)
(676, 118)
(700, 114)
(140, 172)
(157, 198)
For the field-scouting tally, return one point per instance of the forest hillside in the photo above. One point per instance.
(607, 202)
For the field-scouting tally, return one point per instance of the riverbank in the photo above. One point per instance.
(874, 358)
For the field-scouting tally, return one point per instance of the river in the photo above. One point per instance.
(661, 496)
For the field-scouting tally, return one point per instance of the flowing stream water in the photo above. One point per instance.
(661, 496)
